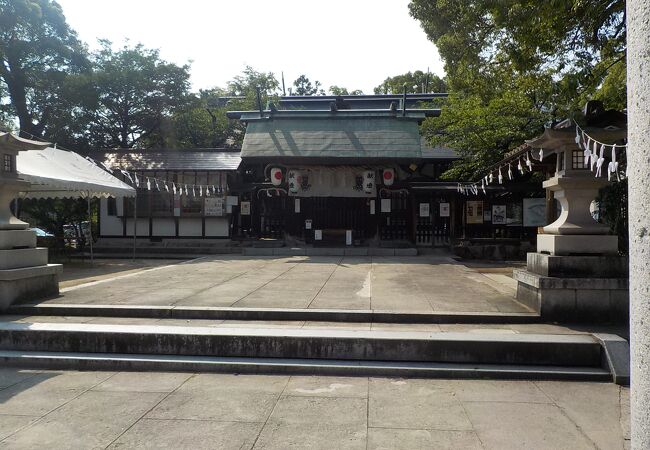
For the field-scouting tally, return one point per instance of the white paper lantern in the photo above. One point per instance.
(276, 176)
(388, 176)
(369, 181)
(293, 177)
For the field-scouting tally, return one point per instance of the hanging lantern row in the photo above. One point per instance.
(499, 174)
(151, 183)
(296, 179)
(594, 152)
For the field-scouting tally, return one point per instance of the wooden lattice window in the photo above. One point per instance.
(7, 163)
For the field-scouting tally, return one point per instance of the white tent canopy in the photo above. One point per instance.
(55, 173)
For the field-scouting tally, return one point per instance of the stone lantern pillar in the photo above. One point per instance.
(576, 274)
(24, 270)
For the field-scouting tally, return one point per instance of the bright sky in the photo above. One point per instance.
(351, 43)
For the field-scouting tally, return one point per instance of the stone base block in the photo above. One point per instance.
(23, 257)
(10, 239)
(593, 300)
(28, 284)
(567, 244)
(577, 266)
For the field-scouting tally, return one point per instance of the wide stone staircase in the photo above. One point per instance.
(336, 342)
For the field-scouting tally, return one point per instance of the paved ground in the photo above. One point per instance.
(50, 409)
(77, 272)
(421, 283)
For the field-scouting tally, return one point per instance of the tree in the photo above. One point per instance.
(38, 54)
(483, 130)
(136, 93)
(203, 123)
(416, 82)
(303, 86)
(246, 84)
(514, 65)
(577, 42)
(336, 90)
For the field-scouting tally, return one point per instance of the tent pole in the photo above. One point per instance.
(90, 232)
(135, 221)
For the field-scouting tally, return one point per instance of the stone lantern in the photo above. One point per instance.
(576, 273)
(24, 270)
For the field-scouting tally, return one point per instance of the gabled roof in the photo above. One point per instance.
(322, 134)
(200, 159)
(16, 143)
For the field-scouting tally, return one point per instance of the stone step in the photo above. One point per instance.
(286, 314)
(192, 364)
(582, 350)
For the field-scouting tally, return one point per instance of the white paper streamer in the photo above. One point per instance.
(613, 166)
(601, 160)
(587, 153)
(594, 153)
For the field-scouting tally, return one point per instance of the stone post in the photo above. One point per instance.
(638, 103)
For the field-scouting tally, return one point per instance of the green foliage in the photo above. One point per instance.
(135, 91)
(202, 122)
(38, 55)
(512, 65)
(337, 90)
(416, 82)
(303, 86)
(52, 214)
(246, 84)
(565, 37)
(613, 201)
(483, 131)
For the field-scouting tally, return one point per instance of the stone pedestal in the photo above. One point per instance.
(575, 288)
(25, 274)
(573, 244)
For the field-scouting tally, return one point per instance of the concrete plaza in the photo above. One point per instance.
(53, 409)
(414, 284)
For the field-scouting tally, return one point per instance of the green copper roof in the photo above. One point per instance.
(328, 136)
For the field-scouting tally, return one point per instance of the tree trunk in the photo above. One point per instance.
(14, 78)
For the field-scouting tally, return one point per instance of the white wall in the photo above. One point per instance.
(143, 227)
(189, 226)
(163, 226)
(216, 226)
(109, 225)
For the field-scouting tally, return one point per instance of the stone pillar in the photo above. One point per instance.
(638, 103)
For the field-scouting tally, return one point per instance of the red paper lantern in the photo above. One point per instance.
(388, 176)
(276, 176)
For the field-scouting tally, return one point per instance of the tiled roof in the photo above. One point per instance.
(439, 153)
(328, 137)
(204, 159)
